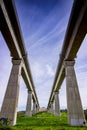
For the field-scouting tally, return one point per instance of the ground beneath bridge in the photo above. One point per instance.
(42, 121)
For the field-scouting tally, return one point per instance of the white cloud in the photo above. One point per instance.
(50, 71)
(41, 71)
(37, 69)
(43, 91)
(55, 32)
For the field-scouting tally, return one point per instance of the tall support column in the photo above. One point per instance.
(37, 108)
(51, 108)
(75, 110)
(51, 105)
(34, 107)
(57, 105)
(10, 102)
(29, 104)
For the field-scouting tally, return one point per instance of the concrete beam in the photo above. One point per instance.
(8, 32)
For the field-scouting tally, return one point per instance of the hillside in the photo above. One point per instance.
(42, 121)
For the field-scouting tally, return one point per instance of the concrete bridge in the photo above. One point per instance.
(75, 33)
(10, 29)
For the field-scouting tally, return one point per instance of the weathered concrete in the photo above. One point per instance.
(37, 109)
(57, 105)
(29, 104)
(74, 105)
(75, 33)
(11, 31)
(34, 107)
(10, 103)
(51, 109)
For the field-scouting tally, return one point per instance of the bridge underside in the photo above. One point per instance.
(10, 29)
(75, 33)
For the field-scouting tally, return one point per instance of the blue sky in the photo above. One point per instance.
(43, 24)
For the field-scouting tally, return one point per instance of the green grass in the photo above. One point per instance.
(42, 121)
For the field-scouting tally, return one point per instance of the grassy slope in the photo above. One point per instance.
(42, 121)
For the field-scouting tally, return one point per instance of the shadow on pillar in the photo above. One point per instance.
(34, 108)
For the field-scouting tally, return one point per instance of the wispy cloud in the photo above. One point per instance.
(50, 71)
(54, 32)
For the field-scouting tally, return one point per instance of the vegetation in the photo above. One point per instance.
(42, 121)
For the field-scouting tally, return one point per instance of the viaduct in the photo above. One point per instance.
(75, 33)
(10, 29)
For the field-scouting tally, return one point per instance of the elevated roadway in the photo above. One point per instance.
(75, 33)
(11, 31)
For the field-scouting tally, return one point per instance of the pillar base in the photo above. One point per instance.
(56, 114)
(28, 114)
(77, 122)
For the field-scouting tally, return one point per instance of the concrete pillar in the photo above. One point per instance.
(37, 108)
(75, 111)
(57, 105)
(34, 107)
(29, 104)
(51, 105)
(10, 102)
(51, 108)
